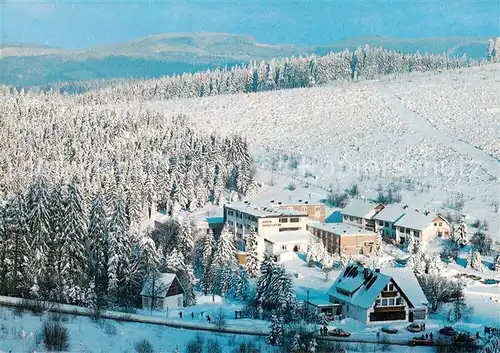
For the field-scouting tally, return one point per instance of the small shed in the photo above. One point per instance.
(162, 292)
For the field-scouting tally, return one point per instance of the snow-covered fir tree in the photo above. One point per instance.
(39, 221)
(119, 251)
(207, 280)
(277, 333)
(410, 247)
(18, 273)
(252, 258)
(469, 259)
(477, 261)
(73, 256)
(98, 249)
(460, 234)
(275, 290)
(242, 287)
(224, 260)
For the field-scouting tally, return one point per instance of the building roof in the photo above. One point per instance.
(262, 211)
(366, 284)
(364, 289)
(340, 228)
(291, 197)
(408, 283)
(292, 236)
(358, 208)
(161, 286)
(415, 220)
(391, 213)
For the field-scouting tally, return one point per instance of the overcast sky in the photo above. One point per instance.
(78, 24)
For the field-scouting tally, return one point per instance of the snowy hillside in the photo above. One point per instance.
(363, 133)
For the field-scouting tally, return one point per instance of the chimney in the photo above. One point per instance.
(377, 270)
(300, 200)
(279, 202)
(272, 201)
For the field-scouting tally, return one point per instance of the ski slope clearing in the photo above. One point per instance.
(365, 133)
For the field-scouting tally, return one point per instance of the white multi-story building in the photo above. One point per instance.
(241, 217)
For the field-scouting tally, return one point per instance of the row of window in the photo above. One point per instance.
(241, 215)
(292, 220)
(407, 231)
(388, 302)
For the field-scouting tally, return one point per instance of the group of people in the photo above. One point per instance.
(323, 331)
(202, 314)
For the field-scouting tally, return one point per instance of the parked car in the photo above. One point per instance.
(420, 341)
(448, 331)
(338, 332)
(388, 329)
(414, 327)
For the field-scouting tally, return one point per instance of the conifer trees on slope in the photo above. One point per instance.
(308, 71)
(157, 163)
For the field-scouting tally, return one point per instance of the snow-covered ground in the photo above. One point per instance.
(365, 134)
(19, 334)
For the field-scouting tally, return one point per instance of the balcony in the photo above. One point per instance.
(386, 309)
(389, 294)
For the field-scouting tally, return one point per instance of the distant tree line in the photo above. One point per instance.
(307, 71)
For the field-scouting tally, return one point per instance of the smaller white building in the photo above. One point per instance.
(162, 292)
(291, 241)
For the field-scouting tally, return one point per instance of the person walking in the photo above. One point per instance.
(430, 336)
(208, 318)
(192, 315)
(180, 314)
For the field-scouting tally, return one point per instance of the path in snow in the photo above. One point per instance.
(422, 126)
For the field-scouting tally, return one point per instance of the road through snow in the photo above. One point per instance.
(422, 126)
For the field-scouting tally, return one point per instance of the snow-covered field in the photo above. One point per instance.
(363, 133)
(19, 334)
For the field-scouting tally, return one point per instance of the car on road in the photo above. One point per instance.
(448, 331)
(388, 329)
(338, 332)
(414, 327)
(420, 341)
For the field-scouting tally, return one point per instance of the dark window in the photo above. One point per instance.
(407, 230)
(399, 301)
(391, 286)
(381, 223)
(351, 218)
(283, 220)
(401, 229)
(231, 213)
(388, 316)
(417, 234)
(384, 302)
(294, 220)
(391, 301)
(387, 224)
(440, 224)
(377, 302)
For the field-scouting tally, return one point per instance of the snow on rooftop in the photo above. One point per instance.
(358, 208)
(161, 286)
(391, 213)
(415, 220)
(259, 210)
(293, 236)
(339, 228)
(406, 280)
(364, 289)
